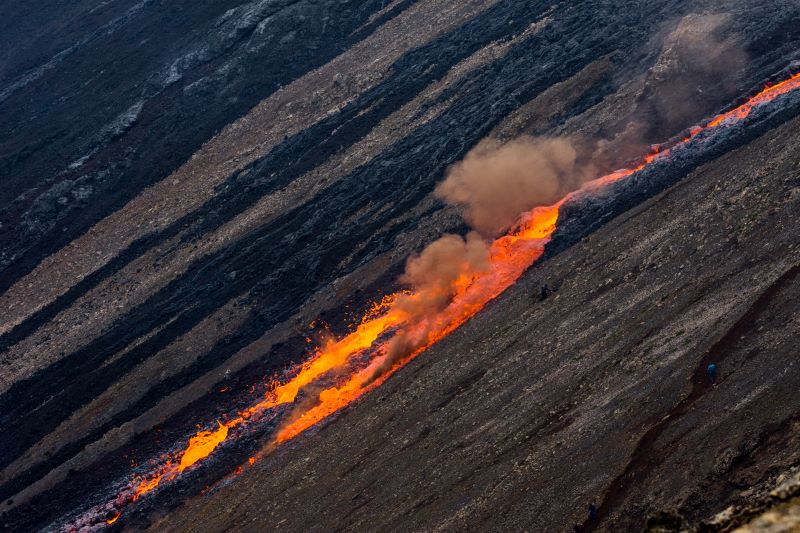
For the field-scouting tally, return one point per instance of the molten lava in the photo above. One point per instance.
(392, 333)
(769, 93)
(201, 445)
(510, 256)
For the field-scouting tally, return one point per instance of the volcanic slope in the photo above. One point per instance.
(535, 409)
(188, 185)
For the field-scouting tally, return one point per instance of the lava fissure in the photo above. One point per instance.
(405, 324)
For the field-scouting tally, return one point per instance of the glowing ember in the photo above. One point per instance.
(393, 327)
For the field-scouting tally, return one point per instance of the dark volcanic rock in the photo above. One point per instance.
(187, 185)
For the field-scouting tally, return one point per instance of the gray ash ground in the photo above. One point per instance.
(188, 185)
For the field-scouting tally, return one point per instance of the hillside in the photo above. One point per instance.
(199, 196)
(598, 394)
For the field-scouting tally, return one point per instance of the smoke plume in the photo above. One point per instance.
(697, 65)
(496, 182)
(437, 273)
(442, 270)
(697, 70)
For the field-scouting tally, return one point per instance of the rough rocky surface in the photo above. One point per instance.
(535, 409)
(772, 506)
(781, 519)
(188, 184)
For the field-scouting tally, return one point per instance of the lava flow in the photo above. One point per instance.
(402, 326)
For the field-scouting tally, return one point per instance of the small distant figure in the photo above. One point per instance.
(711, 372)
(580, 528)
(544, 292)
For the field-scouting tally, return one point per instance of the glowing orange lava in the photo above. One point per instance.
(201, 445)
(770, 92)
(331, 355)
(389, 320)
(510, 256)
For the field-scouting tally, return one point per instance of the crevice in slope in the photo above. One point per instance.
(643, 459)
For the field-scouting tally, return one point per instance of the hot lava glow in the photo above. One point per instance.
(769, 93)
(396, 330)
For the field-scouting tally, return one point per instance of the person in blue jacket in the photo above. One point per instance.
(711, 372)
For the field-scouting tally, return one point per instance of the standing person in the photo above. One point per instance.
(711, 372)
(592, 512)
(544, 292)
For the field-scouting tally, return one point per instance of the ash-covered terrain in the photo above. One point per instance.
(189, 186)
